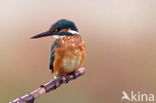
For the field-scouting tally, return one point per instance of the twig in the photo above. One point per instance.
(51, 85)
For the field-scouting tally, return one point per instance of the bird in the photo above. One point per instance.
(68, 49)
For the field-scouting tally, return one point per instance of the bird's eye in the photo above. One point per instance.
(54, 30)
(57, 30)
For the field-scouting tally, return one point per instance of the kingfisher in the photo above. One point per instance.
(68, 50)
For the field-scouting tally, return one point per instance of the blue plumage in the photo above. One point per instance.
(62, 24)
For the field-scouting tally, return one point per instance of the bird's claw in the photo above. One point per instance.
(66, 76)
(74, 74)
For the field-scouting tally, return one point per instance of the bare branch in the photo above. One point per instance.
(51, 85)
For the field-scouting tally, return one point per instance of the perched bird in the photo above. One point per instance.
(68, 49)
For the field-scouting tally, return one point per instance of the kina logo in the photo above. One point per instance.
(137, 96)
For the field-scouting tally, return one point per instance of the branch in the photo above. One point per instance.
(51, 85)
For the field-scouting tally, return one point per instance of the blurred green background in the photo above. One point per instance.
(120, 40)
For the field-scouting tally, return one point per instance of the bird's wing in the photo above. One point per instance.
(52, 56)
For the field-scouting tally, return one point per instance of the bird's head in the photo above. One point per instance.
(60, 28)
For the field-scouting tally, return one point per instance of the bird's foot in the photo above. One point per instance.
(73, 74)
(66, 76)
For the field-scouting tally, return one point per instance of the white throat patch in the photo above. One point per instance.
(57, 37)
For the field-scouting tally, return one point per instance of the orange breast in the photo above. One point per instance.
(69, 54)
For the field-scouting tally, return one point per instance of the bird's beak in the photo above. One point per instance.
(44, 34)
